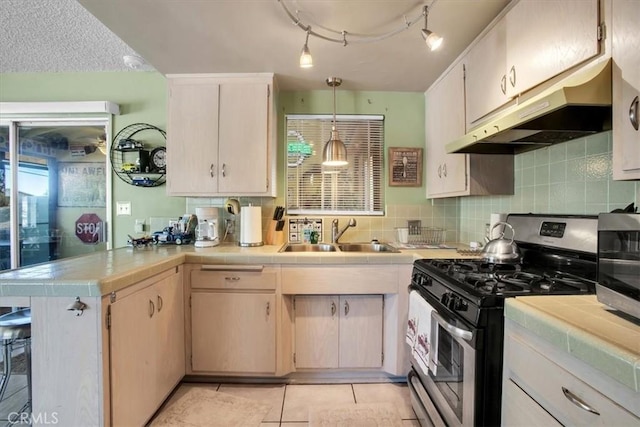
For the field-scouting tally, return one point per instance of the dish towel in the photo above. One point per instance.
(412, 320)
(423, 351)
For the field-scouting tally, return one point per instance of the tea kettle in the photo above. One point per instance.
(501, 250)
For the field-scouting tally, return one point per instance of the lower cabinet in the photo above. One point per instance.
(233, 320)
(233, 332)
(146, 336)
(544, 386)
(338, 331)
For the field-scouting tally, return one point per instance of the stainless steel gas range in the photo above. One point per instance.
(455, 325)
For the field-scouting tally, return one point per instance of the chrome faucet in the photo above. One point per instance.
(335, 234)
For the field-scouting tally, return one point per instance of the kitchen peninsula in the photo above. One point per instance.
(117, 360)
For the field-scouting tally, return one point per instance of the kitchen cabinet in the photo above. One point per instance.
(334, 331)
(450, 175)
(532, 43)
(221, 135)
(626, 89)
(543, 385)
(233, 320)
(146, 337)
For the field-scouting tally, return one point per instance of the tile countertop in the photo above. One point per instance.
(101, 273)
(586, 329)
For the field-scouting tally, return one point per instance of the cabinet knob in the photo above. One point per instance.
(224, 172)
(346, 308)
(633, 113)
(212, 170)
(503, 84)
(268, 309)
(444, 170)
(333, 308)
(232, 278)
(160, 303)
(439, 171)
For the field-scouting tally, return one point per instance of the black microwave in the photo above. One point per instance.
(619, 262)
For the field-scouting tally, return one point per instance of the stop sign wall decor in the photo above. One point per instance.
(89, 228)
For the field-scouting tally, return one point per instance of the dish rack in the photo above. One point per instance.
(420, 235)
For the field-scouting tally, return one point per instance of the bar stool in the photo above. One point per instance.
(15, 330)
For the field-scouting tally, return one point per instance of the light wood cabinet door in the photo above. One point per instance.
(133, 358)
(192, 136)
(233, 332)
(316, 331)
(446, 174)
(244, 138)
(361, 331)
(485, 74)
(170, 332)
(626, 89)
(338, 332)
(545, 38)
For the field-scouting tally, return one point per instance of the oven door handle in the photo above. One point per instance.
(453, 330)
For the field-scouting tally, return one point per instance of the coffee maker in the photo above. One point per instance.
(207, 230)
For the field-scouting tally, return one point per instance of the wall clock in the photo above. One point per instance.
(158, 159)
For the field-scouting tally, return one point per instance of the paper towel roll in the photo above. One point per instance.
(251, 226)
(496, 218)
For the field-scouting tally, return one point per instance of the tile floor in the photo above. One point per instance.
(290, 403)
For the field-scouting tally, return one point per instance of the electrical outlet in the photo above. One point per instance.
(123, 208)
(139, 227)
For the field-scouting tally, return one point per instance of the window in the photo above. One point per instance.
(355, 189)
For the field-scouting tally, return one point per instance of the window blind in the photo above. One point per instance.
(354, 189)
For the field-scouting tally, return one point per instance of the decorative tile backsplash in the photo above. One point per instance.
(574, 177)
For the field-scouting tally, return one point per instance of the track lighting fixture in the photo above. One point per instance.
(306, 60)
(345, 37)
(334, 152)
(433, 40)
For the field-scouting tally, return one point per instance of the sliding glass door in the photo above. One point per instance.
(53, 190)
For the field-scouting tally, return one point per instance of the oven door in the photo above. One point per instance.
(450, 380)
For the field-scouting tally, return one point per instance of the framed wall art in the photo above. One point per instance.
(405, 167)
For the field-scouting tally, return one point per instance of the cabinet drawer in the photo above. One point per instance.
(554, 388)
(340, 279)
(230, 278)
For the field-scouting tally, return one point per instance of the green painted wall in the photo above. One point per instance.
(142, 99)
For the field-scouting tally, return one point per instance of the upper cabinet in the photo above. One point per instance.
(533, 42)
(221, 135)
(450, 175)
(626, 88)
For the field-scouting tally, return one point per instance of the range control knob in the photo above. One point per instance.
(445, 299)
(459, 305)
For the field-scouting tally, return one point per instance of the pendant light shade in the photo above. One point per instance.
(334, 152)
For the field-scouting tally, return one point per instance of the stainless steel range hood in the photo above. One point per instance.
(576, 107)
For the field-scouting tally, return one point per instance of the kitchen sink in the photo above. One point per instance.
(303, 247)
(367, 247)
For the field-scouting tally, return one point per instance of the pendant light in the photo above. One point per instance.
(334, 152)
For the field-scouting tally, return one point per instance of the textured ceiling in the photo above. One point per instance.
(57, 36)
(240, 36)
